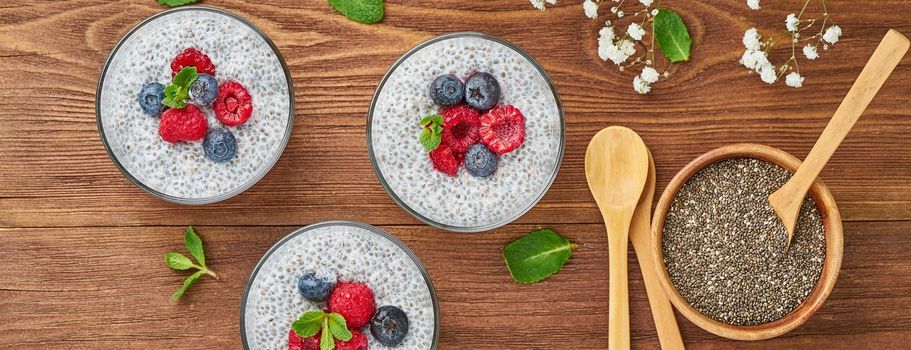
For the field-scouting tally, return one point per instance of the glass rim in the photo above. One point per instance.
(369, 228)
(217, 198)
(399, 201)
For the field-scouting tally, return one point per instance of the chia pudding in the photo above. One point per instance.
(340, 252)
(725, 248)
(462, 201)
(181, 171)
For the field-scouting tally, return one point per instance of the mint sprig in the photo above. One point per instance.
(175, 3)
(332, 325)
(361, 11)
(672, 36)
(177, 93)
(178, 261)
(537, 255)
(433, 129)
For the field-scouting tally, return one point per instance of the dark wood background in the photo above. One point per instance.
(81, 247)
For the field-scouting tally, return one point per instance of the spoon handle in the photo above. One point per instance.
(618, 306)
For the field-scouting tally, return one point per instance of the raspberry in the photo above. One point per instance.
(295, 342)
(446, 161)
(503, 129)
(354, 301)
(357, 342)
(186, 124)
(233, 105)
(195, 58)
(460, 128)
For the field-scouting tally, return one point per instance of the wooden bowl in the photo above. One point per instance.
(834, 242)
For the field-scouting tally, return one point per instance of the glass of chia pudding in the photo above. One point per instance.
(320, 267)
(499, 129)
(195, 105)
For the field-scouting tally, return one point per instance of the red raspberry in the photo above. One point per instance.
(233, 106)
(195, 58)
(295, 342)
(354, 301)
(357, 342)
(460, 127)
(503, 129)
(446, 161)
(186, 124)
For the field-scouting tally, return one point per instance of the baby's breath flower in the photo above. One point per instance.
(655, 12)
(751, 39)
(635, 31)
(641, 86)
(539, 4)
(810, 52)
(649, 75)
(647, 3)
(794, 80)
(792, 23)
(620, 14)
(591, 9)
(608, 49)
(768, 74)
(832, 34)
(754, 59)
(753, 4)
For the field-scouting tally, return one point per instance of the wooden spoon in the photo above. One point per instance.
(787, 200)
(616, 166)
(640, 229)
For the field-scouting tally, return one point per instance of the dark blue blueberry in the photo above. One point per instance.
(480, 161)
(482, 91)
(219, 145)
(150, 99)
(315, 288)
(389, 325)
(447, 90)
(204, 90)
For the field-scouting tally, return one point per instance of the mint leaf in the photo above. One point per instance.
(194, 245)
(362, 11)
(429, 140)
(431, 136)
(175, 3)
(186, 284)
(178, 261)
(537, 255)
(339, 327)
(308, 324)
(177, 93)
(672, 36)
(326, 341)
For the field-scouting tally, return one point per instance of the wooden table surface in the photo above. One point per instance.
(82, 247)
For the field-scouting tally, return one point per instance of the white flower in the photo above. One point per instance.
(794, 80)
(539, 4)
(608, 50)
(619, 14)
(591, 9)
(753, 4)
(649, 75)
(641, 86)
(768, 74)
(792, 23)
(751, 39)
(635, 31)
(647, 3)
(754, 59)
(655, 12)
(810, 52)
(832, 34)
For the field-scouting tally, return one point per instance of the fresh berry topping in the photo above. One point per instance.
(295, 342)
(354, 301)
(447, 90)
(233, 105)
(482, 91)
(184, 124)
(480, 161)
(503, 129)
(315, 288)
(357, 342)
(460, 127)
(150, 98)
(445, 161)
(389, 325)
(195, 58)
(204, 90)
(220, 145)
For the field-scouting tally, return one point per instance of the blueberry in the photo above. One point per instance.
(219, 145)
(389, 325)
(447, 90)
(482, 91)
(480, 161)
(315, 288)
(204, 90)
(150, 98)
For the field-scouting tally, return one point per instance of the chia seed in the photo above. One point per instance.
(724, 246)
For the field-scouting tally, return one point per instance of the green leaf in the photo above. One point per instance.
(175, 3)
(362, 11)
(326, 341)
(186, 284)
(194, 245)
(308, 324)
(177, 93)
(431, 136)
(672, 35)
(178, 261)
(429, 140)
(537, 256)
(339, 327)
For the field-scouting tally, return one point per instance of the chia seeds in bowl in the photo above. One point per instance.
(181, 172)
(343, 252)
(464, 203)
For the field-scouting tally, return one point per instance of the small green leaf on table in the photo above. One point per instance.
(362, 11)
(186, 284)
(537, 255)
(672, 36)
(175, 3)
(178, 261)
(194, 245)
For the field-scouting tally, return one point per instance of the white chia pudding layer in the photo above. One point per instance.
(466, 201)
(347, 254)
(182, 170)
